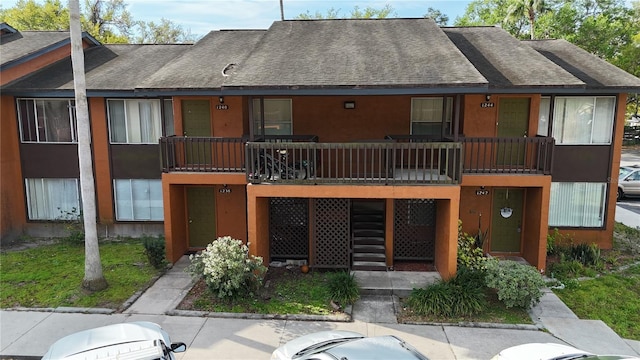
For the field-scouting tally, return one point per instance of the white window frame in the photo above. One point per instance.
(437, 118)
(573, 204)
(133, 121)
(146, 211)
(34, 122)
(544, 115)
(51, 203)
(561, 130)
(268, 119)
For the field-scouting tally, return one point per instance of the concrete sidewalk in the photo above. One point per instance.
(28, 333)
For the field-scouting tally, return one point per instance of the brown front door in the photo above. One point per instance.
(201, 215)
(513, 122)
(196, 122)
(506, 220)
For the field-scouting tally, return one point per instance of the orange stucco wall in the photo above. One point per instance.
(230, 208)
(483, 122)
(101, 160)
(12, 198)
(224, 123)
(446, 228)
(373, 117)
(474, 207)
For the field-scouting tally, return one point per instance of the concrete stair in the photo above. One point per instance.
(367, 228)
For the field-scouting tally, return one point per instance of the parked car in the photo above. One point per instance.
(346, 345)
(135, 340)
(629, 181)
(550, 351)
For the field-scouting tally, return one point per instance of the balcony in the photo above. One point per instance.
(377, 162)
(521, 155)
(397, 160)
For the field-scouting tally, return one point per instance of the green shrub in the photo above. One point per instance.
(557, 242)
(565, 269)
(462, 295)
(469, 255)
(588, 255)
(154, 248)
(74, 225)
(227, 268)
(517, 285)
(343, 288)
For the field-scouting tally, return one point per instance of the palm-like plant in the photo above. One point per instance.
(527, 8)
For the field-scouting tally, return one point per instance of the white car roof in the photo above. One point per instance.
(83, 341)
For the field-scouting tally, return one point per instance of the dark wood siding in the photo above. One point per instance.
(49, 160)
(135, 161)
(581, 163)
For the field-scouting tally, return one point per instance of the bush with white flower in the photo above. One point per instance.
(227, 268)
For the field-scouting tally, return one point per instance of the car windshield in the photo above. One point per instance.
(624, 172)
(323, 344)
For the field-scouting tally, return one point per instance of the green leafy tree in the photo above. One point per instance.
(491, 13)
(30, 15)
(437, 16)
(108, 21)
(357, 13)
(164, 32)
(528, 9)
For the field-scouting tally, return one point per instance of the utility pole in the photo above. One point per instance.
(281, 10)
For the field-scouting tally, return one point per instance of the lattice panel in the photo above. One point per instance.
(289, 228)
(331, 233)
(414, 229)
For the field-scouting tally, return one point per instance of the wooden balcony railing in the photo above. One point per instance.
(202, 154)
(373, 162)
(399, 160)
(530, 155)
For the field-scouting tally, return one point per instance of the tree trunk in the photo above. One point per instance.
(93, 277)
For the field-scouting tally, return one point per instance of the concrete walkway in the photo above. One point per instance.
(27, 333)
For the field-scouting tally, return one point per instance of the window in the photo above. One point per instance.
(277, 117)
(47, 120)
(577, 204)
(138, 199)
(53, 199)
(543, 116)
(169, 128)
(583, 120)
(134, 121)
(427, 116)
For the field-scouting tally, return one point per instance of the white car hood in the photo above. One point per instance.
(538, 351)
(105, 336)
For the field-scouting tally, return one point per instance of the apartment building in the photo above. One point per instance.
(354, 144)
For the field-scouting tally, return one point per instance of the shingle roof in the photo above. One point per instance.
(595, 72)
(356, 53)
(506, 62)
(202, 65)
(387, 54)
(109, 67)
(18, 45)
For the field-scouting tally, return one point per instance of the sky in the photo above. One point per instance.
(202, 16)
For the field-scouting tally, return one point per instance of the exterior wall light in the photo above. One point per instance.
(221, 99)
(349, 104)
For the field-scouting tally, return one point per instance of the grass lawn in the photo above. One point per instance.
(495, 312)
(284, 292)
(51, 275)
(612, 298)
